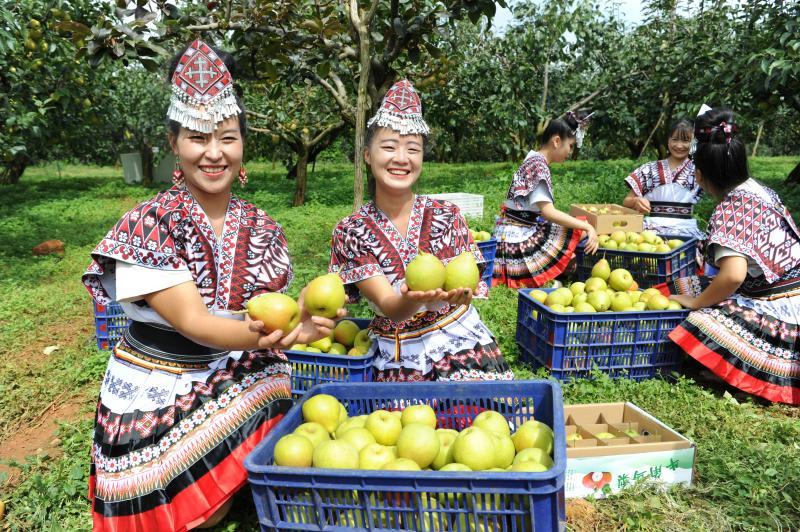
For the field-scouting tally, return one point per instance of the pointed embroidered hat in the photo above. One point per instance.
(202, 90)
(401, 111)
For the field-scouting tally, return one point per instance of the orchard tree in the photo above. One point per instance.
(275, 110)
(354, 49)
(45, 92)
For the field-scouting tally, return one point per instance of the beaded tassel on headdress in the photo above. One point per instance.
(401, 111)
(202, 90)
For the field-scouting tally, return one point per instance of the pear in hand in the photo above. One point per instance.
(324, 296)
(277, 311)
(462, 272)
(425, 272)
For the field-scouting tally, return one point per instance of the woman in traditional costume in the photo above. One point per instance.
(666, 190)
(745, 327)
(191, 388)
(433, 335)
(536, 241)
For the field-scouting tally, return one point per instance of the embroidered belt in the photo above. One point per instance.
(397, 336)
(523, 217)
(166, 347)
(778, 290)
(670, 209)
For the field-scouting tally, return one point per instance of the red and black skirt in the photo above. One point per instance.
(753, 343)
(174, 424)
(530, 251)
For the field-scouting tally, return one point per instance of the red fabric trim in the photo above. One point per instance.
(731, 374)
(214, 488)
(554, 271)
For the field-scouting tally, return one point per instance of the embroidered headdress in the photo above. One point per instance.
(580, 131)
(401, 111)
(202, 90)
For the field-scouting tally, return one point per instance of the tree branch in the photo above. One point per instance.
(347, 110)
(327, 131)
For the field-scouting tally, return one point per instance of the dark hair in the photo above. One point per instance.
(230, 63)
(681, 128)
(368, 136)
(720, 155)
(565, 127)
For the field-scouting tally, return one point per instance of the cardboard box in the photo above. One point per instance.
(622, 219)
(602, 466)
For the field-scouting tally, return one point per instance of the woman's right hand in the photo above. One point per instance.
(274, 339)
(641, 204)
(592, 242)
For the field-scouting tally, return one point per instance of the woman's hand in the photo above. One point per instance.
(686, 301)
(641, 204)
(458, 296)
(310, 329)
(422, 296)
(592, 242)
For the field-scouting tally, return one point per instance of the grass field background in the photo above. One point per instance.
(748, 454)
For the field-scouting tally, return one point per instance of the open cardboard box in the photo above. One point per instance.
(623, 219)
(641, 447)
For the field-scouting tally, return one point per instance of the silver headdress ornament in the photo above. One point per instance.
(693, 146)
(580, 131)
(401, 111)
(202, 90)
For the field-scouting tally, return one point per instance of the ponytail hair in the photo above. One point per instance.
(720, 156)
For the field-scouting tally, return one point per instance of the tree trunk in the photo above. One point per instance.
(147, 165)
(300, 182)
(13, 170)
(664, 103)
(794, 176)
(362, 104)
(758, 139)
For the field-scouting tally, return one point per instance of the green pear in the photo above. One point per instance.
(324, 296)
(345, 332)
(462, 272)
(601, 269)
(362, 339)
(538, 295)
(337, 349)
(425, 272)
(277, 311)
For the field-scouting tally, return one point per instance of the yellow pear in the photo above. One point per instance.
(462, 272)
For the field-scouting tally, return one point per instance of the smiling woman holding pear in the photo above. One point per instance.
(414, 260)
(192, 386)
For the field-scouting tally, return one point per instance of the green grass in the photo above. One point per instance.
(748, 455)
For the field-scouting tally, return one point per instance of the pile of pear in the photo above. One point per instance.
(645, 242)
(426, 272)
(604, 291)
(409, 440)
(480, 236)
(345, 339)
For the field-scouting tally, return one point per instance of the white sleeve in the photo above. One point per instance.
(133, 282)
(720, 252)
(541, 193)
(528, 203)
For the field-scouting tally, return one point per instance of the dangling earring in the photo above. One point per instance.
(242, 176)
(177, 174)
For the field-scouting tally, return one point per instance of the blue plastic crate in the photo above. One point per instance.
(351, 499)
(110, 324)
(649, 269)
(310, 369)
(631, 345)
(488, 249)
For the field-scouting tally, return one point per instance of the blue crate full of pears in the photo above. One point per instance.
(301, 480)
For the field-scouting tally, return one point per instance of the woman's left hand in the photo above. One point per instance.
(686, 301)
(458, 296)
